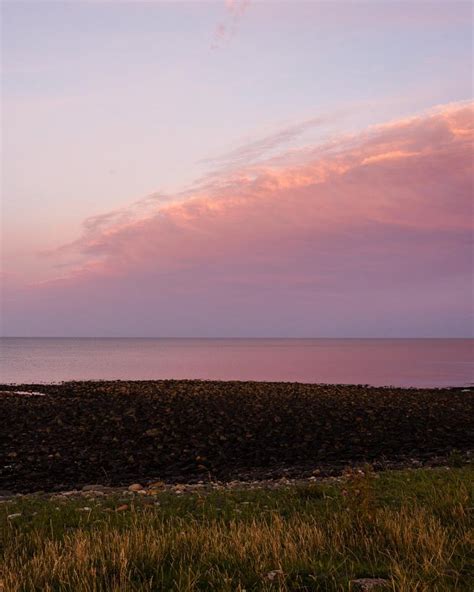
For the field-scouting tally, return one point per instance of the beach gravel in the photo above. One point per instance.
(120, 433)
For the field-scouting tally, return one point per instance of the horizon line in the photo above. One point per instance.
(225, 337)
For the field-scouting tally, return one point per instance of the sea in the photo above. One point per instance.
(377, 362)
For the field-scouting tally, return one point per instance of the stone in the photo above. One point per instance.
(369, 584)
(94, 487)
(153, 492)
(156, 485)
(152, 432)
(135, 487)
(274, 574)
(6, 493)
(89, 494)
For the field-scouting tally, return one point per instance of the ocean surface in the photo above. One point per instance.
(399, 362)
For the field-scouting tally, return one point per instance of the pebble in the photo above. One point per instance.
(157, 485)
(325, 416)
(135, 487)
(153, 432)
(96, 487)
(93, 494)
(272, 575)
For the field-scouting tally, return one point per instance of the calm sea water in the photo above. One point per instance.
(401, 362)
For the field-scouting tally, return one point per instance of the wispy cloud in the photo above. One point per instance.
(227, 28)
(260, 148)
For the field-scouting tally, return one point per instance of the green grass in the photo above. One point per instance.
(413, 528)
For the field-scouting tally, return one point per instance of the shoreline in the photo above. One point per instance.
(7, 386)
(116, 433)
(281, 479)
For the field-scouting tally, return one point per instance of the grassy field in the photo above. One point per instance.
(412, 528)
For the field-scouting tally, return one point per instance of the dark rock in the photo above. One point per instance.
(6, 493)
(182, 430)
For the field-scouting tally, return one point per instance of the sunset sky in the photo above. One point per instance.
(237, 168)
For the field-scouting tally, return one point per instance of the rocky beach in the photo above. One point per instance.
(70, 435)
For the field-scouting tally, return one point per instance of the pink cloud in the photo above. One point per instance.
(226, 29)
(367, 233)
(414, 173)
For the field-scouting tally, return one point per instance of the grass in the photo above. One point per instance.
(413, 528)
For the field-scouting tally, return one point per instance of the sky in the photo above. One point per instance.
(239, 168)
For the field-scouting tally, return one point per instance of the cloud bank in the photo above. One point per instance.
(366, 235)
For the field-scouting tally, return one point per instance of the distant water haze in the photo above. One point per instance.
(378, 362)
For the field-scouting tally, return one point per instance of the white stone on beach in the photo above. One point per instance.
(24, 393)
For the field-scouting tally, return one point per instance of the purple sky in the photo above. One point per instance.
(237, 169)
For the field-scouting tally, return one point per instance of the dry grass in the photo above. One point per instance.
(412, 527)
